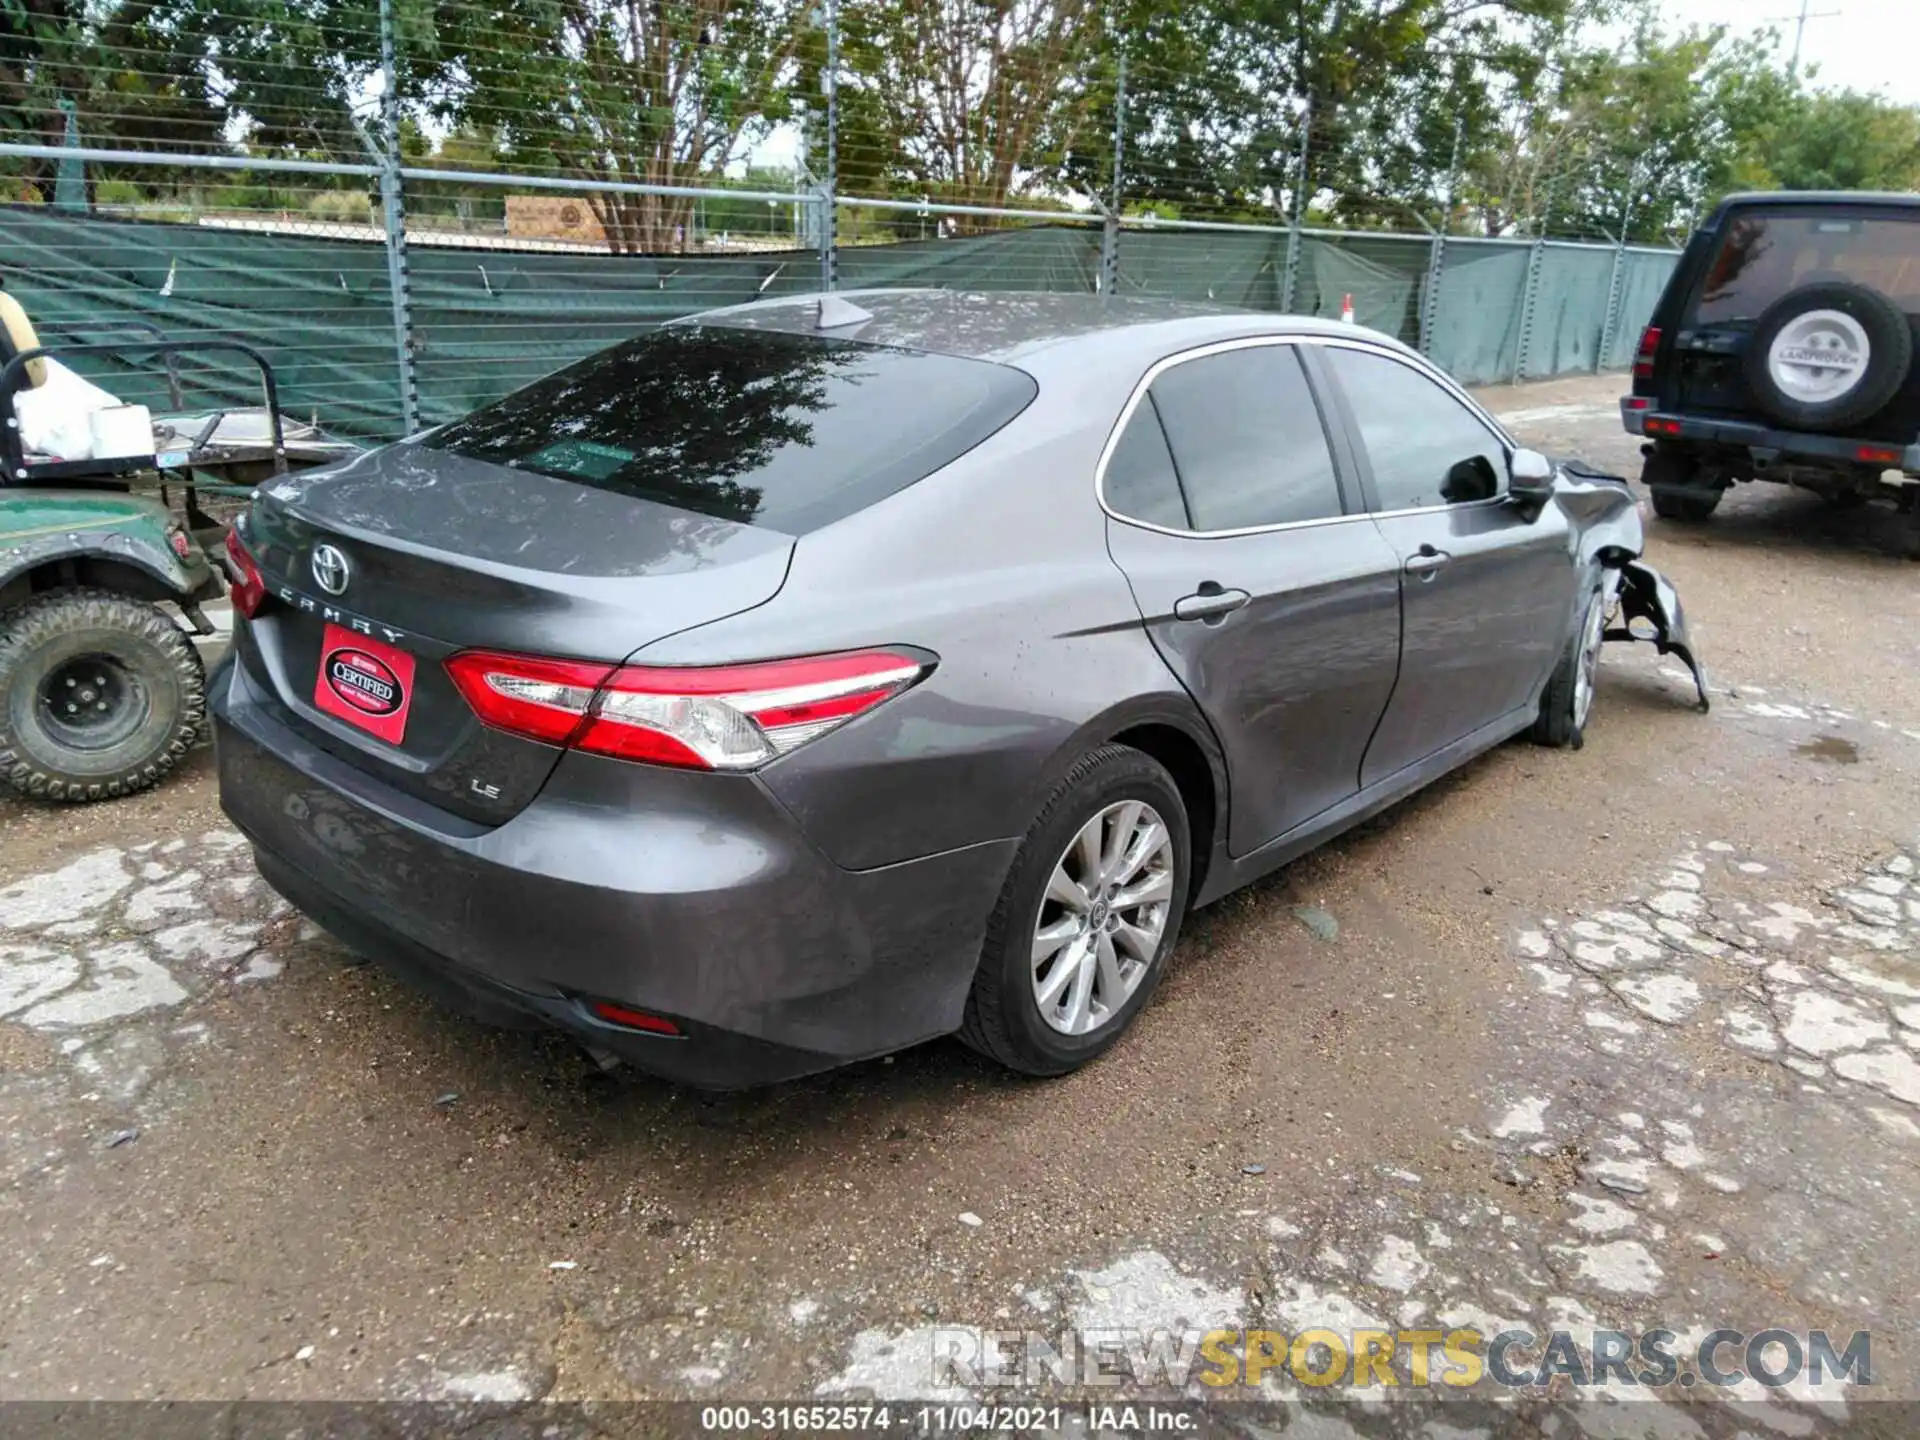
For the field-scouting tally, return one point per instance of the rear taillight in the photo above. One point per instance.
(249, 585)
(1649, 348)
(629, 1018)
(727, 717)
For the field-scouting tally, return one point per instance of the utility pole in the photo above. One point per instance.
(1800, 31)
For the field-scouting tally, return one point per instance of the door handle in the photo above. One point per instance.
(1211, 604)
(1427, 562)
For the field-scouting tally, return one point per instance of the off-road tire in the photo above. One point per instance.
(1890, 356)
(1690, 509)
(1667, 467)
(159, 661)
(1906, 543)
(1557, 723)
(1002, 1018)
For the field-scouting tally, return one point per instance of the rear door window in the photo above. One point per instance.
(1140, 483)
(1247, 439)
(790, 432)
(1764, 255)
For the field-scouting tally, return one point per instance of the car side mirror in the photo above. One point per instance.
(1530, 477)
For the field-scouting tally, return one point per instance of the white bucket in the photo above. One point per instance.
(120, 431)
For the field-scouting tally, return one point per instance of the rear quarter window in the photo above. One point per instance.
(789, 432)
(1765, 254)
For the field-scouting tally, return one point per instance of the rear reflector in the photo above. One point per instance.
(1662, 427)
(727, 717)
(249, 587)
(1649, 347)
(632, 1019)
(1638, 402)
(1877, 455)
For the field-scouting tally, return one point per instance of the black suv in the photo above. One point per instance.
(1783, 349)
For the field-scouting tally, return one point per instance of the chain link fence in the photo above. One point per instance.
(441, 266)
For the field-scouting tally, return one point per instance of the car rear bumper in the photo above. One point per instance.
(1770, 443)
(692, 897)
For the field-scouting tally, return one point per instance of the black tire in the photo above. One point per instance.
(1691, 509)
(1003, 1019)
(1665, 468)
(154, 688)
(1889, 356)
(1561, 722)
(1907, 542)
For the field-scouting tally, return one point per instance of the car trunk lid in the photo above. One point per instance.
(388, 565)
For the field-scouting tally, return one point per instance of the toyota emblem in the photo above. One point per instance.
(330, 569)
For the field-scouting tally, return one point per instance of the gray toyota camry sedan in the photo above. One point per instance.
(805, 680)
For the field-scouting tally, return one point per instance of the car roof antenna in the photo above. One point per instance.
(836, 314)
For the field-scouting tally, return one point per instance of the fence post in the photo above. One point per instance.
(1430, 302)
(393, 210)
(1290, 276)
(829, 202)
(1110, 229)
(1616, 295)
(1616, 286)
(1529, 304)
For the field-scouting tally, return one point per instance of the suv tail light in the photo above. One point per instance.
(249, 589)
(1649, 347)
(727, 717)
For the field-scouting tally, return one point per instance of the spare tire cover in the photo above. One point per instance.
(1828, 355)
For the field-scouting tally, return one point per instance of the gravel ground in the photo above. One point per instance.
(1628, 1036)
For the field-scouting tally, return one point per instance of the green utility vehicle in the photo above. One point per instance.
(102, 692)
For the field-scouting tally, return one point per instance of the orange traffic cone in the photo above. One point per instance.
(1346, 310)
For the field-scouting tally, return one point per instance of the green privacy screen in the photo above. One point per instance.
(488, 320)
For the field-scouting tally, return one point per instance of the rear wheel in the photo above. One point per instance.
(1089, 914)
(1665, 469)
(100, 696)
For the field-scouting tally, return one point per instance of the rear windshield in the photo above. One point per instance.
(789, 432)
(1763, 256)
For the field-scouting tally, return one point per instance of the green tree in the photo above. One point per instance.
(1221, 97)
(970, 101)
(136, 82)
(1825, 140)
(617, 91)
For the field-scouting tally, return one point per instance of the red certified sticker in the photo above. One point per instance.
(365, 682)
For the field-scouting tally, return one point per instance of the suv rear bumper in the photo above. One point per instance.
(1775, 444)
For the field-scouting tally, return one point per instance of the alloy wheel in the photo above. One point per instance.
(1102, 917)
(1592, 635)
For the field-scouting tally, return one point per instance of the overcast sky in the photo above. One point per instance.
(1868, 45)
